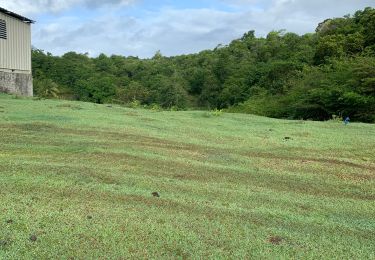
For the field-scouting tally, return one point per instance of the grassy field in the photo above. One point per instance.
(76, 182)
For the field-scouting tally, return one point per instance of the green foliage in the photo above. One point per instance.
(135, 104)
(217, 112)
(46, 88)
(283, 75)
(131, 92)
(155, 107)
(171, 95)
(96, 89)
(337, 118)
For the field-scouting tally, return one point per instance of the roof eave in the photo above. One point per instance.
(17, 16)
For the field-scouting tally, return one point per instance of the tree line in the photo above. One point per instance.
(330, 72)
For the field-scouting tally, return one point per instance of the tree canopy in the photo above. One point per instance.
(284, 75)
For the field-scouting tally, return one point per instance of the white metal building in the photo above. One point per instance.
(15, 53)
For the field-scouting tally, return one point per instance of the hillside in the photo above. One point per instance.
(76, 180)
(315, 76)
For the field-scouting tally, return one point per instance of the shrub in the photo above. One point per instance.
(46, 88)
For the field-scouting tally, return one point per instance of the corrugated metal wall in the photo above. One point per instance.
(15, 51)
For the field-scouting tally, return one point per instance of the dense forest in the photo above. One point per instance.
(329, 73)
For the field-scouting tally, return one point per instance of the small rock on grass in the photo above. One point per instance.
(155, 194)
(33, 238)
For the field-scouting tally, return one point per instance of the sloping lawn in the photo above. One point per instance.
(76, 182)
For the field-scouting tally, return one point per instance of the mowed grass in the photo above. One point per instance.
(76, 182)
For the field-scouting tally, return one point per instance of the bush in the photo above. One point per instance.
(135, 104)
(46, 88)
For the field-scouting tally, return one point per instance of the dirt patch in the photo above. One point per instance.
(37, 126)
(147, 119)
(309, 159)
(349, 164)
(131, 114)
(112, 138)
(275, 240)
(129, 138)
(71, 106)
(302, 134)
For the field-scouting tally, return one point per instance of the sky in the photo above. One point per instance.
(142, 27)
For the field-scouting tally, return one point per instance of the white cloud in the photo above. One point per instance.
(30, 7)
(173, 31)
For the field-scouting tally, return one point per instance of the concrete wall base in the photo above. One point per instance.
(16, 83)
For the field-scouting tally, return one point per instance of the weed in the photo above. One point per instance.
(213, 113)
(155, 107)
(174, 108)
(337, 118)
(217, 112)
(135, 104)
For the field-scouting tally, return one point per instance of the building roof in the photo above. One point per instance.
(17, 16)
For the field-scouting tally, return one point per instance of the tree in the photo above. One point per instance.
(133, 92)
(283, 75)
(97, 89)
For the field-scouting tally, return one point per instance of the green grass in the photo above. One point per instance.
(79, 177)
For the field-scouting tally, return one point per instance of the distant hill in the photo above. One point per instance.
(314, 76)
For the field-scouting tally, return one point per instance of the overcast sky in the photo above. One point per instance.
(141, 27)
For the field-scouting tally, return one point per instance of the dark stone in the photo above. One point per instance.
(33, 238)
(155, 194)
